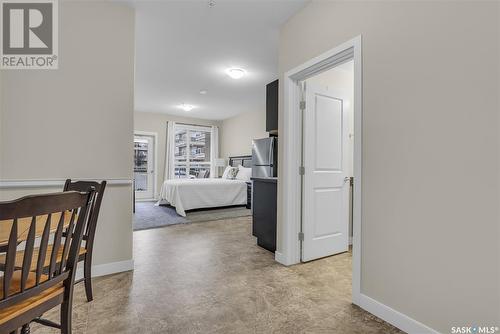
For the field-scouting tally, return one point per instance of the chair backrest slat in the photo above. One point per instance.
(56, 244)
(28, 253)
(10, 261)
(42, 251)
(65, 212)
(67, 240)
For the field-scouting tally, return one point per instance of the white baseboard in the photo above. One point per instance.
(395, 318)
(106, 268)
(280, 258)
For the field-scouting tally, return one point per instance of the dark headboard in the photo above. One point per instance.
(244, 160)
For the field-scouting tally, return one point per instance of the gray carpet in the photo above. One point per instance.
(147, 215)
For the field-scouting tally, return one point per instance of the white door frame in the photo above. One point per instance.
(292, 139)
(155, 162)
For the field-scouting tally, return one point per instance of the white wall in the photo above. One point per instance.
(77, 121)
(239, 131)
(430, 150)
(157, 123)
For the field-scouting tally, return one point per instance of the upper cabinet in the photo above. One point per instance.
(272, 107)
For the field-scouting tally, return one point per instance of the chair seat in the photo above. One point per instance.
(11, 312)
(20, 256)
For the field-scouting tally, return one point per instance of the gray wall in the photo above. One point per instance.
(157, 123)
(430, 150)
(77, 121)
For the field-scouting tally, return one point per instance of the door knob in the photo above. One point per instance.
(346, 179)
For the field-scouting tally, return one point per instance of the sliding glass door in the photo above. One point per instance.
(192, 151)
(144, 166)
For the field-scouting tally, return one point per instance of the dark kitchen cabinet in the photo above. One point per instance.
(272, 91)
(264, 211)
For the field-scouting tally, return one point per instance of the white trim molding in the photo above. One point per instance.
(53, 183)
(106, 268)
(395, 318)
(279, 257)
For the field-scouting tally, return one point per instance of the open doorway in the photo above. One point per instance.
(327, 157)
(144, 166)
(321, 181)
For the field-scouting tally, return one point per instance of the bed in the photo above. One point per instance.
(189, 194)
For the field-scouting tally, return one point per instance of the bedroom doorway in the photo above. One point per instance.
(328, 140)
(144, 166)
(319, 174)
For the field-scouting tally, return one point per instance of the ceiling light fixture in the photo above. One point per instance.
(236, 73)
(186, 107)
(203, 92)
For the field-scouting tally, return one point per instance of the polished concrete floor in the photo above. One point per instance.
(212, 278)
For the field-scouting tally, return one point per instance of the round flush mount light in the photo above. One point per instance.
(236, 73)
(186, 107)
(203, 92)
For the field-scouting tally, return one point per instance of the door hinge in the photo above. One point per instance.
(302, 105)
(301, 236)
(302, 170)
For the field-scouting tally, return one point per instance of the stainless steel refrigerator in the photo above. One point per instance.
(265, 157)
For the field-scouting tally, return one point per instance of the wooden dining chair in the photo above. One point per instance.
(26, 294)
(88, 236)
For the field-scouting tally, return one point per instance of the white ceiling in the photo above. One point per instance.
(183, 47)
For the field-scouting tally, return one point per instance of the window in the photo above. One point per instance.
(192, 150)
(144, 174)
(140, 164)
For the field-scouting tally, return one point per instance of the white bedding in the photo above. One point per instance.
(187, 194)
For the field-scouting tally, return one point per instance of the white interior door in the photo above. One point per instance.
(144, 167)
(325, 220)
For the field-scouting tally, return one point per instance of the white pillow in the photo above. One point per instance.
(230, 173)
(244, 173)
(226, 172)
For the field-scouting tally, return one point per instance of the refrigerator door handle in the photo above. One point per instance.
(271, 153)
